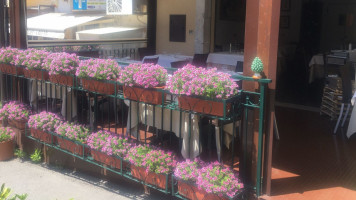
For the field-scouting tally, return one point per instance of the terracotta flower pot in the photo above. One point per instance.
(71, 146)
(190, 191)
(106, 159)
(152, 178)
(36, 74)
(11, 69)
(6, 150)
(98, 86)
(43, 136)
(147, 95)
(17, 124)
(203, 106)
(62, 79)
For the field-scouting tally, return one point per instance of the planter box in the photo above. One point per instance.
(11, 69)
(203, 106)
(146, 95)
(17, 124)
(36, 74)
(190, 191)
(98, 86)
(106, 159)
(71, 146)
(152, 178)
(43, 136)
(6, 150)
(61, 79)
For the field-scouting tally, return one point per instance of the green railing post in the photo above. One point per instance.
(260, 140)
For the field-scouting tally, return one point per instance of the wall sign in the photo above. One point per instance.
(79, 4)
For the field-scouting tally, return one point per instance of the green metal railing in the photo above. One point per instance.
(87, 101)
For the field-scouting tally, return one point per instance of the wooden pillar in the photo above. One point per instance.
(261, 39)
(2, 23)
(18, 38)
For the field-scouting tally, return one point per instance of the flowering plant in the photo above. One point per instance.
(159, 161)
(15, 111)
(144, 75)
(61, 63)
(100, 69)
(34, 59)
(108, 143)
(136, 154)
(20, 57)
(7, 55)
(191, 80)
(188, 170)
(6, 134)
(73, 131)
(45, 121)
(217, 179)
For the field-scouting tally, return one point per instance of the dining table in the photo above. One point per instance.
(165, 60)
(224, 61)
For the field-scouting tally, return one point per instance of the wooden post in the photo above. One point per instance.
(18, 38)
(261, 39)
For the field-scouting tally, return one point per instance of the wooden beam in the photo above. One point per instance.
(261, 39)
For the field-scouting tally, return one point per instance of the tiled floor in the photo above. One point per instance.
(309, 162)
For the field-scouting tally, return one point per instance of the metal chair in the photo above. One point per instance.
(345, 72)
(199, 60)
(239, 66)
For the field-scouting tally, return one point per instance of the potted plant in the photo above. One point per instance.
(16, 113)
(7, 61)
(73, 136)
(3, 116)
(105, 146)
(34, 64)
(151, 165)
(141, 82)
(6, 143)
(43, 123)
(62, 67)
(200, 181)
(97, 75)
(202, 90)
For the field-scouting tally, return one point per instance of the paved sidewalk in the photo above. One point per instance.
(42, 183)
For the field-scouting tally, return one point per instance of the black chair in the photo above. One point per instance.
(146, 52)
(239, 66)
(345, 72)
(151, 60)
(199, 60)
(179, 64)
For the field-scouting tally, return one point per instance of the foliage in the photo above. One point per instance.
(144, 75)
(188, 170)
(34, 59)
(7, 55)
(99, 69)
(44, 121)
(6, 134)
(136, 154)
(61, 63)
(20, 154)
(257, 65)
(36, 156)
(73, 131)
(5, 193)
(108, 143)
(191, 80)
(15, 111)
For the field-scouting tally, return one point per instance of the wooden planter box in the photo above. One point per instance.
(71, 146)
(11, 69)
(62, 79)
(203, 106)
(152, 178)
(43, 136)
(6, 150)
(98, 86)
(36, 74)
(17, 124)
(106, 159)
(146, 95)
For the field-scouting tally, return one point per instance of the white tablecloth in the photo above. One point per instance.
(352, 124)
(165, 60)
(225, 60)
